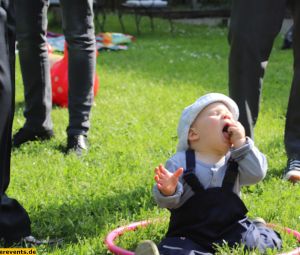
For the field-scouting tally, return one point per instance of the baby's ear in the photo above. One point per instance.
(193, 135)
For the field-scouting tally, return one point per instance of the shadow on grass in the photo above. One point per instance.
(275, 173)
(62, 148)
(85, 217)
(276, 156)
(20, 105)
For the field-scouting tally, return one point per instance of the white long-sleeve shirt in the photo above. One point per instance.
(252, 169)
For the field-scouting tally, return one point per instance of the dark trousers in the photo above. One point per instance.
(181, 246)
(253, 237)
(253, 28)
(14, 221)
(78, 28)
(6, 91)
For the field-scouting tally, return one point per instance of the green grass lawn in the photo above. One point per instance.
(133, 128)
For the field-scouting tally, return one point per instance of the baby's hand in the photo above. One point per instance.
(167, 181)
(237, 135)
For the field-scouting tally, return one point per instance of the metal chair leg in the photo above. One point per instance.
(151, 22)
(137, 22)
(120, 14)
(101, 22)
(171, 25)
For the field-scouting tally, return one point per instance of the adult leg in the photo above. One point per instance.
(253, 27)
(31, 27)
(292, 125)
(5, 103)
(14, 221)
(79, 31)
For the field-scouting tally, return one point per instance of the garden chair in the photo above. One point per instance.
(98, 11)
(140, 8)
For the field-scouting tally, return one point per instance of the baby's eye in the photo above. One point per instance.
(214, 113)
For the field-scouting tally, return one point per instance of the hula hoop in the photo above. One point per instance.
(110, 238)
(295, 233)
(109, 241)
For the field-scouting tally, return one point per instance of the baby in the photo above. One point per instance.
(201, 183)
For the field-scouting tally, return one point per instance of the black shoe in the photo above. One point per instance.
(288, 39)
(30, 241)
(77, 144)
(25, 135)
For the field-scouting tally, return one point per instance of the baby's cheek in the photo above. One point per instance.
(214, 121)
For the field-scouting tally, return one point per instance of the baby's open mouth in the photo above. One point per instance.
(225, 128)
(225, 131)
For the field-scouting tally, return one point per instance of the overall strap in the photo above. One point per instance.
(230, 175)
(189, 173)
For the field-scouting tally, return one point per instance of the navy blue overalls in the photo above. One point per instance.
(213, 216)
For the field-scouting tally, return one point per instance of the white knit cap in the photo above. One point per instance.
(190, 113)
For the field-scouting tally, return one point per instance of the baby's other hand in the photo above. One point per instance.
(167, 181)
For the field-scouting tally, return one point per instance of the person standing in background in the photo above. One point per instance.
(253, 28)
(78, 28)
(14, 220)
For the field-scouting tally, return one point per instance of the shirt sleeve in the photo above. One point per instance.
(252, 163)
(173, 201)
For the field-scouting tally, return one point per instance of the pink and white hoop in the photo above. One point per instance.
(110, 238)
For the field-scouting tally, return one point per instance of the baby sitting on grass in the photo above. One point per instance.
(201, 184)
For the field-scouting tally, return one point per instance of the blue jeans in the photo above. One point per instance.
(78, 28)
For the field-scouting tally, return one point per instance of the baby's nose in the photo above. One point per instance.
(226, 116)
